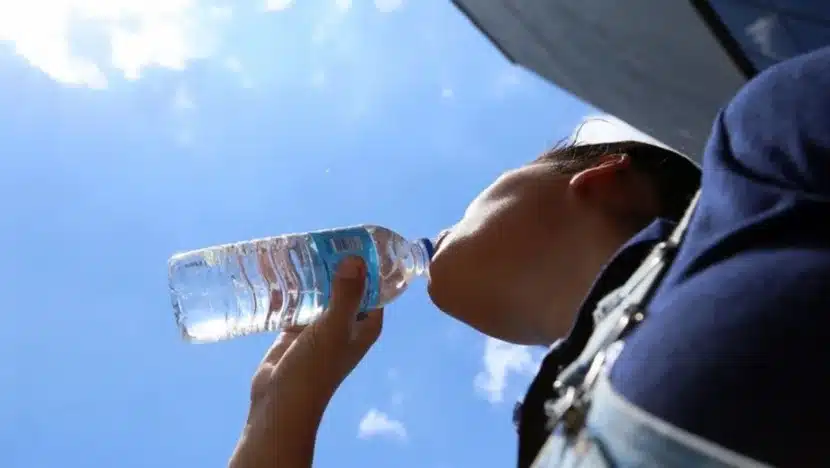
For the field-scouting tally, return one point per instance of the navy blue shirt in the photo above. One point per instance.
(736, 346)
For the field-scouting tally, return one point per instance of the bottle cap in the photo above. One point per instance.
(427, 243)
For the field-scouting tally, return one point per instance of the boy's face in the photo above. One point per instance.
(519, 262)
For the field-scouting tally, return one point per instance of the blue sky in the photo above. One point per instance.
(134, 128)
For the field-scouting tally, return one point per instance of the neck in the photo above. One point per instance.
(589, 256)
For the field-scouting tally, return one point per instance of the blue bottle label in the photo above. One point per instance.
(333, 246)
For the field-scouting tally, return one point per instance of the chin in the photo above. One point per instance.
(451, 296)
(463, 284)
(478, 308)
(441, 292)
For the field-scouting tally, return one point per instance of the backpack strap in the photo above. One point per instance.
(617, 315)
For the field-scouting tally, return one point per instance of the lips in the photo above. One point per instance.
(440, 238)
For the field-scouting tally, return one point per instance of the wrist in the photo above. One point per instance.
(275, 436)
(260, 447)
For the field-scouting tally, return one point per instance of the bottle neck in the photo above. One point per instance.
(421, 252)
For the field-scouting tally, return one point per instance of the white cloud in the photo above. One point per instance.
(507, 80)
(277, 5)
(221, 13)
(500, 360)
(447, 93)
(762, 32)
(343, 5)
(184, 138)
(135, 34)
(233, 64)
(377, 423)
(388, 6)
(318, 78)
(182, 100)
(329, 29)
(606, 129)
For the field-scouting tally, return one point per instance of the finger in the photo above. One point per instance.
(262, 377)
(346, 295)
(278, 348)
(266, 267)
(366, 332)
(274, 308)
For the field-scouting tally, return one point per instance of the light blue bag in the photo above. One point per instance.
(620, 435)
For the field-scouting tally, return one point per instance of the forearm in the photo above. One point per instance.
(265, 443)
(258, 449)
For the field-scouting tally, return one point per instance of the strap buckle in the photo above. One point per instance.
(571, 409)
(576, 383)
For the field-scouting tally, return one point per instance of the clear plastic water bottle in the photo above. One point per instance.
(283, 282)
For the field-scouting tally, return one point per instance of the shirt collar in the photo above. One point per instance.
(613, 275)
(616, 272)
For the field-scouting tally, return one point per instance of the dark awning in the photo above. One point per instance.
(664, 66)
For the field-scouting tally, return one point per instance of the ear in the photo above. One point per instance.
(599, 180)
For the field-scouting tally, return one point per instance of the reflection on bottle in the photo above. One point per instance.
(285, 282)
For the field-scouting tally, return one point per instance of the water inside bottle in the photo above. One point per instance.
(245, 288)
(283, 282)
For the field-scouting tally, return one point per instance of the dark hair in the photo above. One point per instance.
(674, 178)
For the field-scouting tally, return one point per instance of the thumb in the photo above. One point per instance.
(346, 295)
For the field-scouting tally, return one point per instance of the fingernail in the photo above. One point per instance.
(350, 268)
